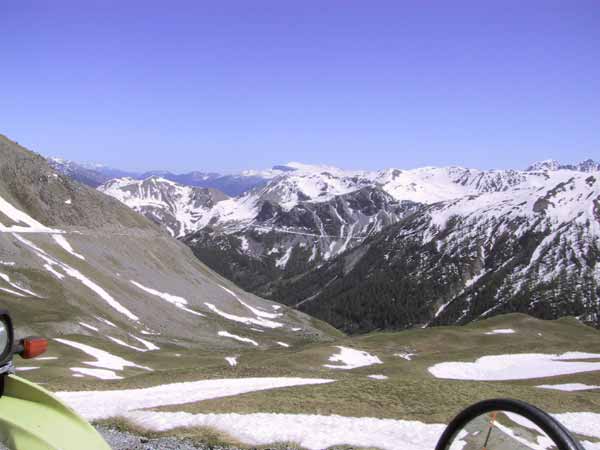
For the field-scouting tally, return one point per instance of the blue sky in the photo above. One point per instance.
(227, 85)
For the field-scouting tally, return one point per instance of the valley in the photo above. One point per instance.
(395, 249)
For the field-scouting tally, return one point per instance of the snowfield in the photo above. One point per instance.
(316, 432)
(350, 358)
(94, 405)
(313, 432)
(516, 366)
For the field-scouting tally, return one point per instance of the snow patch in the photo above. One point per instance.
(231, 360)
(102, 374)
(378, 377)
(237, 338)
(516, 366)
(568, 387)
(350, 358)
(256, 311)
(149, 345)
(62, 241)
(104, 360)
(501, 331)
(89, 327)
(18, 216)
(107, 322)
(179, 302)
(16, 286)
(95, 405)
(282, 262)
(125, 344)
(10, 291)
(313, 432)
(244, 320)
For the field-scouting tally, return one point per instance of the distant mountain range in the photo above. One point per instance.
(395, 248)
(95, 175)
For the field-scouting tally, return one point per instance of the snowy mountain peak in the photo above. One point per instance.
(589, 165)
(548, 164)
(178, 208)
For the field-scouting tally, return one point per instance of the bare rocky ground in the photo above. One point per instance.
(120, 440)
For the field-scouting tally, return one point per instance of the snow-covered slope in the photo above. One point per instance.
(534, 248)
(275, 243)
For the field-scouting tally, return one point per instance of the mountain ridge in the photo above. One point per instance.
(309, 238)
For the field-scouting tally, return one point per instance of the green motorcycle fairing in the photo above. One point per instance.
(31, 418)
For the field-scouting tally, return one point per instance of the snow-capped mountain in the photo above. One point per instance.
(310, 220)
(92, 175)
(256, 227)
(528, 249)
(298, 184)
(278, 243)
(95, 175)
(180, 209)
(589, 165)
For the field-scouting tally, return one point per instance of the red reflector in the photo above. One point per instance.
(34, 346)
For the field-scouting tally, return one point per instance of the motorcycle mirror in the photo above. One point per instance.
(504, 424)
(32, 347)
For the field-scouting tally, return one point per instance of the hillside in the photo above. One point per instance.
(78, 264)
(533, 249)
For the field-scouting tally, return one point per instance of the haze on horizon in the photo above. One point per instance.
(232, 85)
